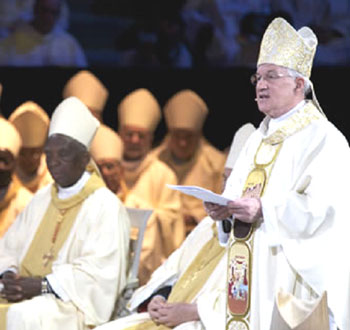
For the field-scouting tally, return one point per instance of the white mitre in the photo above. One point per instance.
(72, 118)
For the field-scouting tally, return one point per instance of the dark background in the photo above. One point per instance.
(227, 91)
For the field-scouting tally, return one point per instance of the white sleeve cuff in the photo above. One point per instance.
(57, 288)
(222, 236)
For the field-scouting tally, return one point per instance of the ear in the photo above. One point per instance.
(300, 84)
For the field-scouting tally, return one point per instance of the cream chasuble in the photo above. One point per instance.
(51, 235)
(204, 169)
(193, 279)
(12, 204)
(165, 229)
(241, 243)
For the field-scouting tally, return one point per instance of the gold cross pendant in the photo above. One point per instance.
(47, 257)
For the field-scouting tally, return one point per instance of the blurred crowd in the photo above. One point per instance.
(175, 33)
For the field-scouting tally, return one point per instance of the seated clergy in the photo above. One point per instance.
(186, 292)
(63, 261)
(146, 178)
(32, 123)
(107, 151)
(13, 195)
(185, 149)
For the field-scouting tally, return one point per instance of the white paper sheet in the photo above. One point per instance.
(201, 193)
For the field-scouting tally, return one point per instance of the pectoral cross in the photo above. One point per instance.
(47, 257)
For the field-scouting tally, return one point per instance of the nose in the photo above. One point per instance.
(135, 138)
(183, 143)
(52, 161)
(261, 83)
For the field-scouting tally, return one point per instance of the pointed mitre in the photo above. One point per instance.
(32, 123)
(291, 313)
(106, 144)
(10, 139)
(88, 88)
(73, 119)
(185, 110)
(284, 46)
(140, 109)
(239, 139)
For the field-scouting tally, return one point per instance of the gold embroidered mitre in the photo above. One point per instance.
(283, 45)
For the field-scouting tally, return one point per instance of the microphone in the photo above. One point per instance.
(226, 226)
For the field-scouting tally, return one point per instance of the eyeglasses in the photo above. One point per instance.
(270, 76)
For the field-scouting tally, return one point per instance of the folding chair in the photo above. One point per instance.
(138, 220)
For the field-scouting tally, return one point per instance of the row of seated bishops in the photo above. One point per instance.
(65, 260)
(56, 172)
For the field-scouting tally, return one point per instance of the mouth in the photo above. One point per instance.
(55, 174)
(263, 97)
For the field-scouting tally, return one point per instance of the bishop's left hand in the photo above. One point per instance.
(246, 209)
(21, 288)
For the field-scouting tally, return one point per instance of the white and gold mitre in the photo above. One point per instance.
(10, 139)
(283, 45)
(106, 144)
(88, 88)
(32, 122)
(185, 110)
(72, 118)
(141, 109)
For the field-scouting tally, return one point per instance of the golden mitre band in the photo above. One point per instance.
(283, 45)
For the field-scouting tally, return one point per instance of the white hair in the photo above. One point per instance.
(307, 83)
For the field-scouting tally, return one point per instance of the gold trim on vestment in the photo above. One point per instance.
(255, 186)
(44, 248)
(32, 264)
(192, 280)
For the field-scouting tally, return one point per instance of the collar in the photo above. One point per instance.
(64, 193)
(275, 123)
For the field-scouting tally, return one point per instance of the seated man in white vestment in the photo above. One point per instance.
(287, 266)
(63, 261)
(187, 291)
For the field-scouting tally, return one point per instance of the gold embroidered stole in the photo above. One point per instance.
(193, 279)
(239, 273)
(51, 235)
(5, 203)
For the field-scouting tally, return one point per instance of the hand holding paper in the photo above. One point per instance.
(204, 194)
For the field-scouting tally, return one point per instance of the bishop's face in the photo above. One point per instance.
(29, 159)
(66, 159)
(183, 143)
(7, 165)
(137, 142)
(276, 91)
(112, 172)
